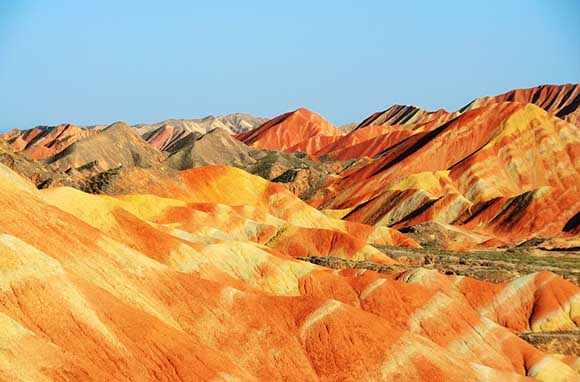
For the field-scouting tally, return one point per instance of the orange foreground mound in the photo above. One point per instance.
(151, 287)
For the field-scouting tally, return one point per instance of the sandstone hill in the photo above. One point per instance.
(187, 279)
(115, 146)
(299, 130)
(415, 246)
(213, 147)
(163, 134)
(562, 101)
(45, 141)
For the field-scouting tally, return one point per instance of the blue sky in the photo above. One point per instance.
(143, 61)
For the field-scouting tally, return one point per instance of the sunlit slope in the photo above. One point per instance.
(235, 187)
(299, 130)
(100, 288)
(510, 169)
(562, 101)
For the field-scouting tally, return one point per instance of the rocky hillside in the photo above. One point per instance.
(500, 171)
(470, 173)
(415, 246)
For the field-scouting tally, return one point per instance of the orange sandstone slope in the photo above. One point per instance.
(367, 141)
(299, 130)
(405, 115)
(115, 292)
(508, 169)
(376, 134)
(256, 209)
(304, 131)
(384, 129)
(562, 101)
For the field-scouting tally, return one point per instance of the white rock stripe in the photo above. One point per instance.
(428, 311)
(324, 310)
(509, 295)
(371, 288)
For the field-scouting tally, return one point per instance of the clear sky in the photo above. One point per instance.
(90, 62)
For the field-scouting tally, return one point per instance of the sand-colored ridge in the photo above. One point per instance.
(115, 146)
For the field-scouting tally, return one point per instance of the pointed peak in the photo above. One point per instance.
(397, 107)
(118, 124)
(217, 132)
(303, 110)
(118, 127)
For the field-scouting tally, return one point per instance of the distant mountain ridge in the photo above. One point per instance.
(211, 148)
(562, 101)
(234, 123)
(43, 141)
(115, 146)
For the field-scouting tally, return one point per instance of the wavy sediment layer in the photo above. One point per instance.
(146, 287)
